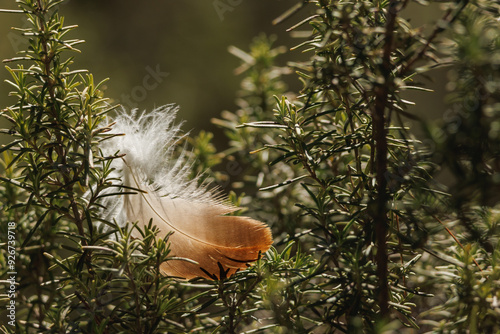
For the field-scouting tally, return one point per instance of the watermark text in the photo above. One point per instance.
(11, 274)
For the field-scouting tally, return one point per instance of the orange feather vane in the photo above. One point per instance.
(216, 244)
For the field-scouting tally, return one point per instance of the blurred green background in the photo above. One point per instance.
(172, 51)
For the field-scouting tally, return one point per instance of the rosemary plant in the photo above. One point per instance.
(367, 238)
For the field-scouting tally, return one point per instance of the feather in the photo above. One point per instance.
(216, 244)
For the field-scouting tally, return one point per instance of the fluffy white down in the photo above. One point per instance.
(148, 140)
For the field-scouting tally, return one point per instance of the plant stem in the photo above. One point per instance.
(78, 217)
(380, 137)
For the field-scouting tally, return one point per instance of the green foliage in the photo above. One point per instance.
(471, 128)
(353, 164)
(71, 276)
(366, 238)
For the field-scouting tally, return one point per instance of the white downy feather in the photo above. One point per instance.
(219, 244)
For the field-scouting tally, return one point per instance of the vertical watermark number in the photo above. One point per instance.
(11, 273)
